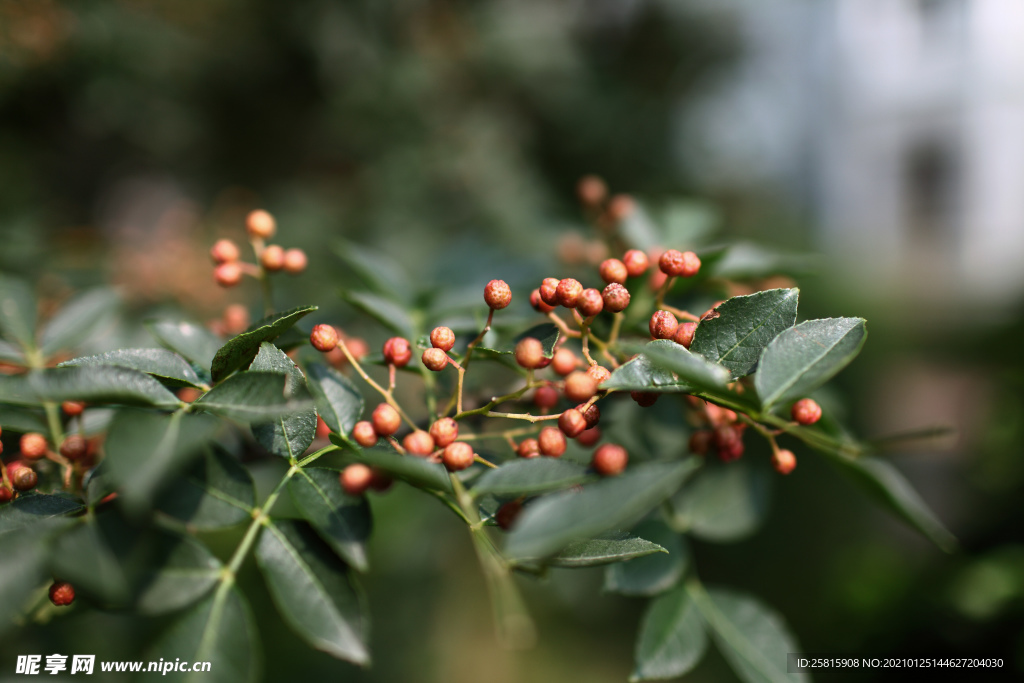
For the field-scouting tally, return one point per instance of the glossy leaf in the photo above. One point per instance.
(193, 342)
(93, 384)
(536, 475)
(144, 449)
(546, 333)
(160, 363)
(77, 320)
(608, 548)
(342, 521)
(84, 555)
(220, 630)
(17, 311)
(804, 357)
(724, 502)
(185, 572)
(21, 419)
(744, 327)
(652, 574)
(215, 493)
(314, 590)
(884, 483)
(691, 368)
(31, 509)
(640, 374)
(239, 351)
(416, 471)
(338, 402)
(384, 311)
(251, 397)
(671, 640)
(554, 521)
(287, 435)
(752, 638)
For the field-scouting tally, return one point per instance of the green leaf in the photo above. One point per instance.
(884, 483)
(416, 471)
(143, 450)
(616, 546)
(314, 591)
(744, 327)
(9, 353)
(30, 509)
(251, 397)
(195, 343)
(752, 638)
(376, 269)
(216, 493)
(536, 475)
(691, 368)
(77, 320)
(90, 383)
(22, 568)
(653, 574)
(338, 402)
(724, 502)
(342, 521)
(185, 572)
(640, 374)
(84, 556)
(288, 435)
(18, 419)
(386, 312)
(545, 333)
(555, 520)
(17, 312)
(220, 630)
(671, 640)
(160, 363)
(239, 351)
(804, 357)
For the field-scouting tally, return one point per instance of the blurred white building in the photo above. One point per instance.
(900, 123)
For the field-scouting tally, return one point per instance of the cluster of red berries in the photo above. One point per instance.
(272, 258)
(724, 433)
(327, 339)
(19, 476)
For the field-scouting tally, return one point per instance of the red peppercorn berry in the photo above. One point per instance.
(684, 334)
(590, 303)
(507, 514)
(528, 448)
(645, 399)
(598, 373)
(615, 298)
(418, 443)
(442, 338)
(538, 302)
(33, 446)
(589, 437)
(663, 325)
(385, 419)
(324, 338)
(610, 460)
(545, 397)
(457, 456)
(564, 361)
(62, 593)
(591, 190)
(529, 353)
(295, 261)
(497, 294)
(636, 262)
(551, 442)
(614, 270)
(260, 224)
(783, 461)
(444, 431)
(356, 479)
(74, 447)
(549, 291)
(272, 258)
(806, 411)
(397, 352)
(435, 359)
(591, 414)
(228, 274)
(572, 423)
(579, 387)
(224, 251)
(364, 434)
(5, 494)
(568, 292)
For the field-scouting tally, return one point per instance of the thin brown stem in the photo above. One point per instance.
(660, 297)
(680, 313)
(388, 398)
(562, 326)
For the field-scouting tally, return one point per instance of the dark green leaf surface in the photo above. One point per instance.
(77, 320)
(160, 363)
(545, 333)
(220, 630)
(691, 368)
(376, 269)
(288, 435)
(724, 502)
(314, 590)
(185, 573)
(17, 311)
(216, 493)
(92, 384)
(251, 397)
(143, 450)
(83, 555)
(22, 568)
(554, 521)
(416, 471)
(384, 311)
(606, 549)
(652, 574)
(804, 357)
(640, 374)
(193, 342)
(338, 403)
(671, 640)
(35, 508)
(885, 484)
(342, 521)
(536, 475)
(20, 419)
(744, 327)
(239, 351)
(752, 638)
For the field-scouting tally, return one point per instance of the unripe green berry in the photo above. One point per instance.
(806, 411)
(610, 460)
(418, 443)
(435, 359)
(663, 325)
(783, 461)
(684, 334)
(324, 338)
(590, 303)
(579, 387)
(497, 294)
(444, 432)
(385, 420)
(615, 298)
(224, 251)
(261, 224)
(62, 593)
(551, 442)
(397, 352)
(457, 456)
(356, 479)
(364, 434)
(572, 423)
(614, 270)
(442, 338)
(33, 446)
(636, 262)
(529, 353)
(568, 292)
(272, 258)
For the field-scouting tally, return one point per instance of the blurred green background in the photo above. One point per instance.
(451, 135)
